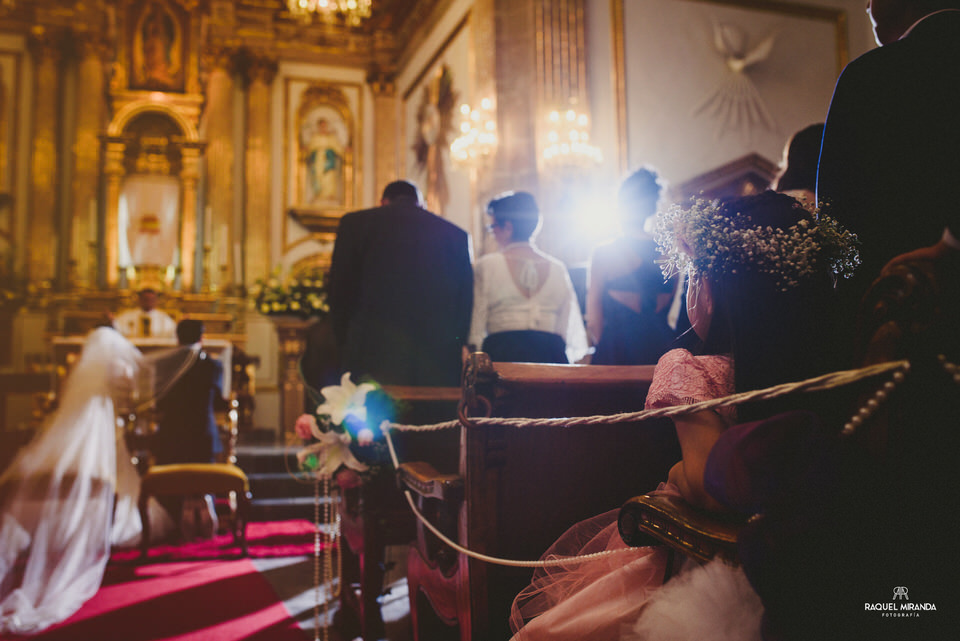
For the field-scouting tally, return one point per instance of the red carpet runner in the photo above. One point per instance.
(197, 591)
(196, 601)
(267, 539)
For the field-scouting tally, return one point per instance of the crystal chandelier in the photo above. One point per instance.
(568, 142)
(478, 135)
(351, 12)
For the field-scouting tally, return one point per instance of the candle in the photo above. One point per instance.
(76, 246)
(92, 225)
(223, 244)
(237, 263)
(208, 226)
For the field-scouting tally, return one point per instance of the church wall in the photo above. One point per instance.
(672, 67)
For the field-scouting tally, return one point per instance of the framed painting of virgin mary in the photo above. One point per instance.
(157, 45)
(320, 156)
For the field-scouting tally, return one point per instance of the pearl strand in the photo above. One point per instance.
(316, 563)
(874, 402)
(327, 556)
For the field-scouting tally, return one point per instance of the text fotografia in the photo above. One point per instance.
(900, 609)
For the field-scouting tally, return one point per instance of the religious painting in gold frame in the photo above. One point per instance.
(157, 43)
(321, 155)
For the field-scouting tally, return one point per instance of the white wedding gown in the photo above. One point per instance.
(57, 497)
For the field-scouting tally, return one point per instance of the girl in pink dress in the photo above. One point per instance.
(761, 272)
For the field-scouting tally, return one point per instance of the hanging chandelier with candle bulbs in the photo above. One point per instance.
(477, 141)
(567, 147)
(350, 12)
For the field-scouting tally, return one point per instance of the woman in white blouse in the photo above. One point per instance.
(524, 305)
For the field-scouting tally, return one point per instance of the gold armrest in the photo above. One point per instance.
(424, 480)
(653, 518)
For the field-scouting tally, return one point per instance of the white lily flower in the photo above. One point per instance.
(332, 450)
(345, 399)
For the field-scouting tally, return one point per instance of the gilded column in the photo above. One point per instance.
(42, 233)
(90, 121)
(260, 73)
(189, 174)
(114, 172)
(387, 159)
(217, 130)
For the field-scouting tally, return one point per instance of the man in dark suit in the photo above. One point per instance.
(401, 292)
(889, 161)
(187, 430)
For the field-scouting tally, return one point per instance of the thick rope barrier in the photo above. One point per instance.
(816, 384)
(825, 382)
(492, 559)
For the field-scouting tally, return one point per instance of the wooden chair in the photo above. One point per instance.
(222, 478)
(515, 490)
(912, 312)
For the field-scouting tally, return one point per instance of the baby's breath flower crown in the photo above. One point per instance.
(702, 240)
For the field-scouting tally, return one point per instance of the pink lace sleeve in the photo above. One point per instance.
(682, 378)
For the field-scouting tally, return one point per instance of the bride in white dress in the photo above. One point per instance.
(71, 493)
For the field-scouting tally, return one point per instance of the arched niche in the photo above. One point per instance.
(151, 171)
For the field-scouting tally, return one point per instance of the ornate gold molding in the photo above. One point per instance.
(382, 83)
(262, 69)
(45, 45)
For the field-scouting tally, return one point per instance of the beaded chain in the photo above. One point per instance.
(316, 563)
(323, 572)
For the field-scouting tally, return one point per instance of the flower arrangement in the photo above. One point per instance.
(701, 239)
(303, 296)
(345, 430)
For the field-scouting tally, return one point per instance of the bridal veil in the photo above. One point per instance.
(71, 493)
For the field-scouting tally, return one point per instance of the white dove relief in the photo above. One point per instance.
(735, 102)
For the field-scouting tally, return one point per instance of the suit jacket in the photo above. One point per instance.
(401, 294)
(889, 162)
(188, 430)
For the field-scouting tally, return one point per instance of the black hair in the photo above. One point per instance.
(401, 190)
(189, 331)
(520, 209)
(638, 196)
(771, 333)
(803, 156)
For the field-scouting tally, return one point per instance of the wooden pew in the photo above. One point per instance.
(521, 488)
(374, 514)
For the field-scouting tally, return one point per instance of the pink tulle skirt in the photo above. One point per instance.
(596, 598)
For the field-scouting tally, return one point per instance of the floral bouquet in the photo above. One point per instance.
(303, 296)
(345, 430)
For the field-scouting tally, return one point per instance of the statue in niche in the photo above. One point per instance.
(157, 45)
(434, 132)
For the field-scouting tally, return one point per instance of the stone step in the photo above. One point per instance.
(254, 459)
(286, 508)
(279, 484)
(277, 493)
